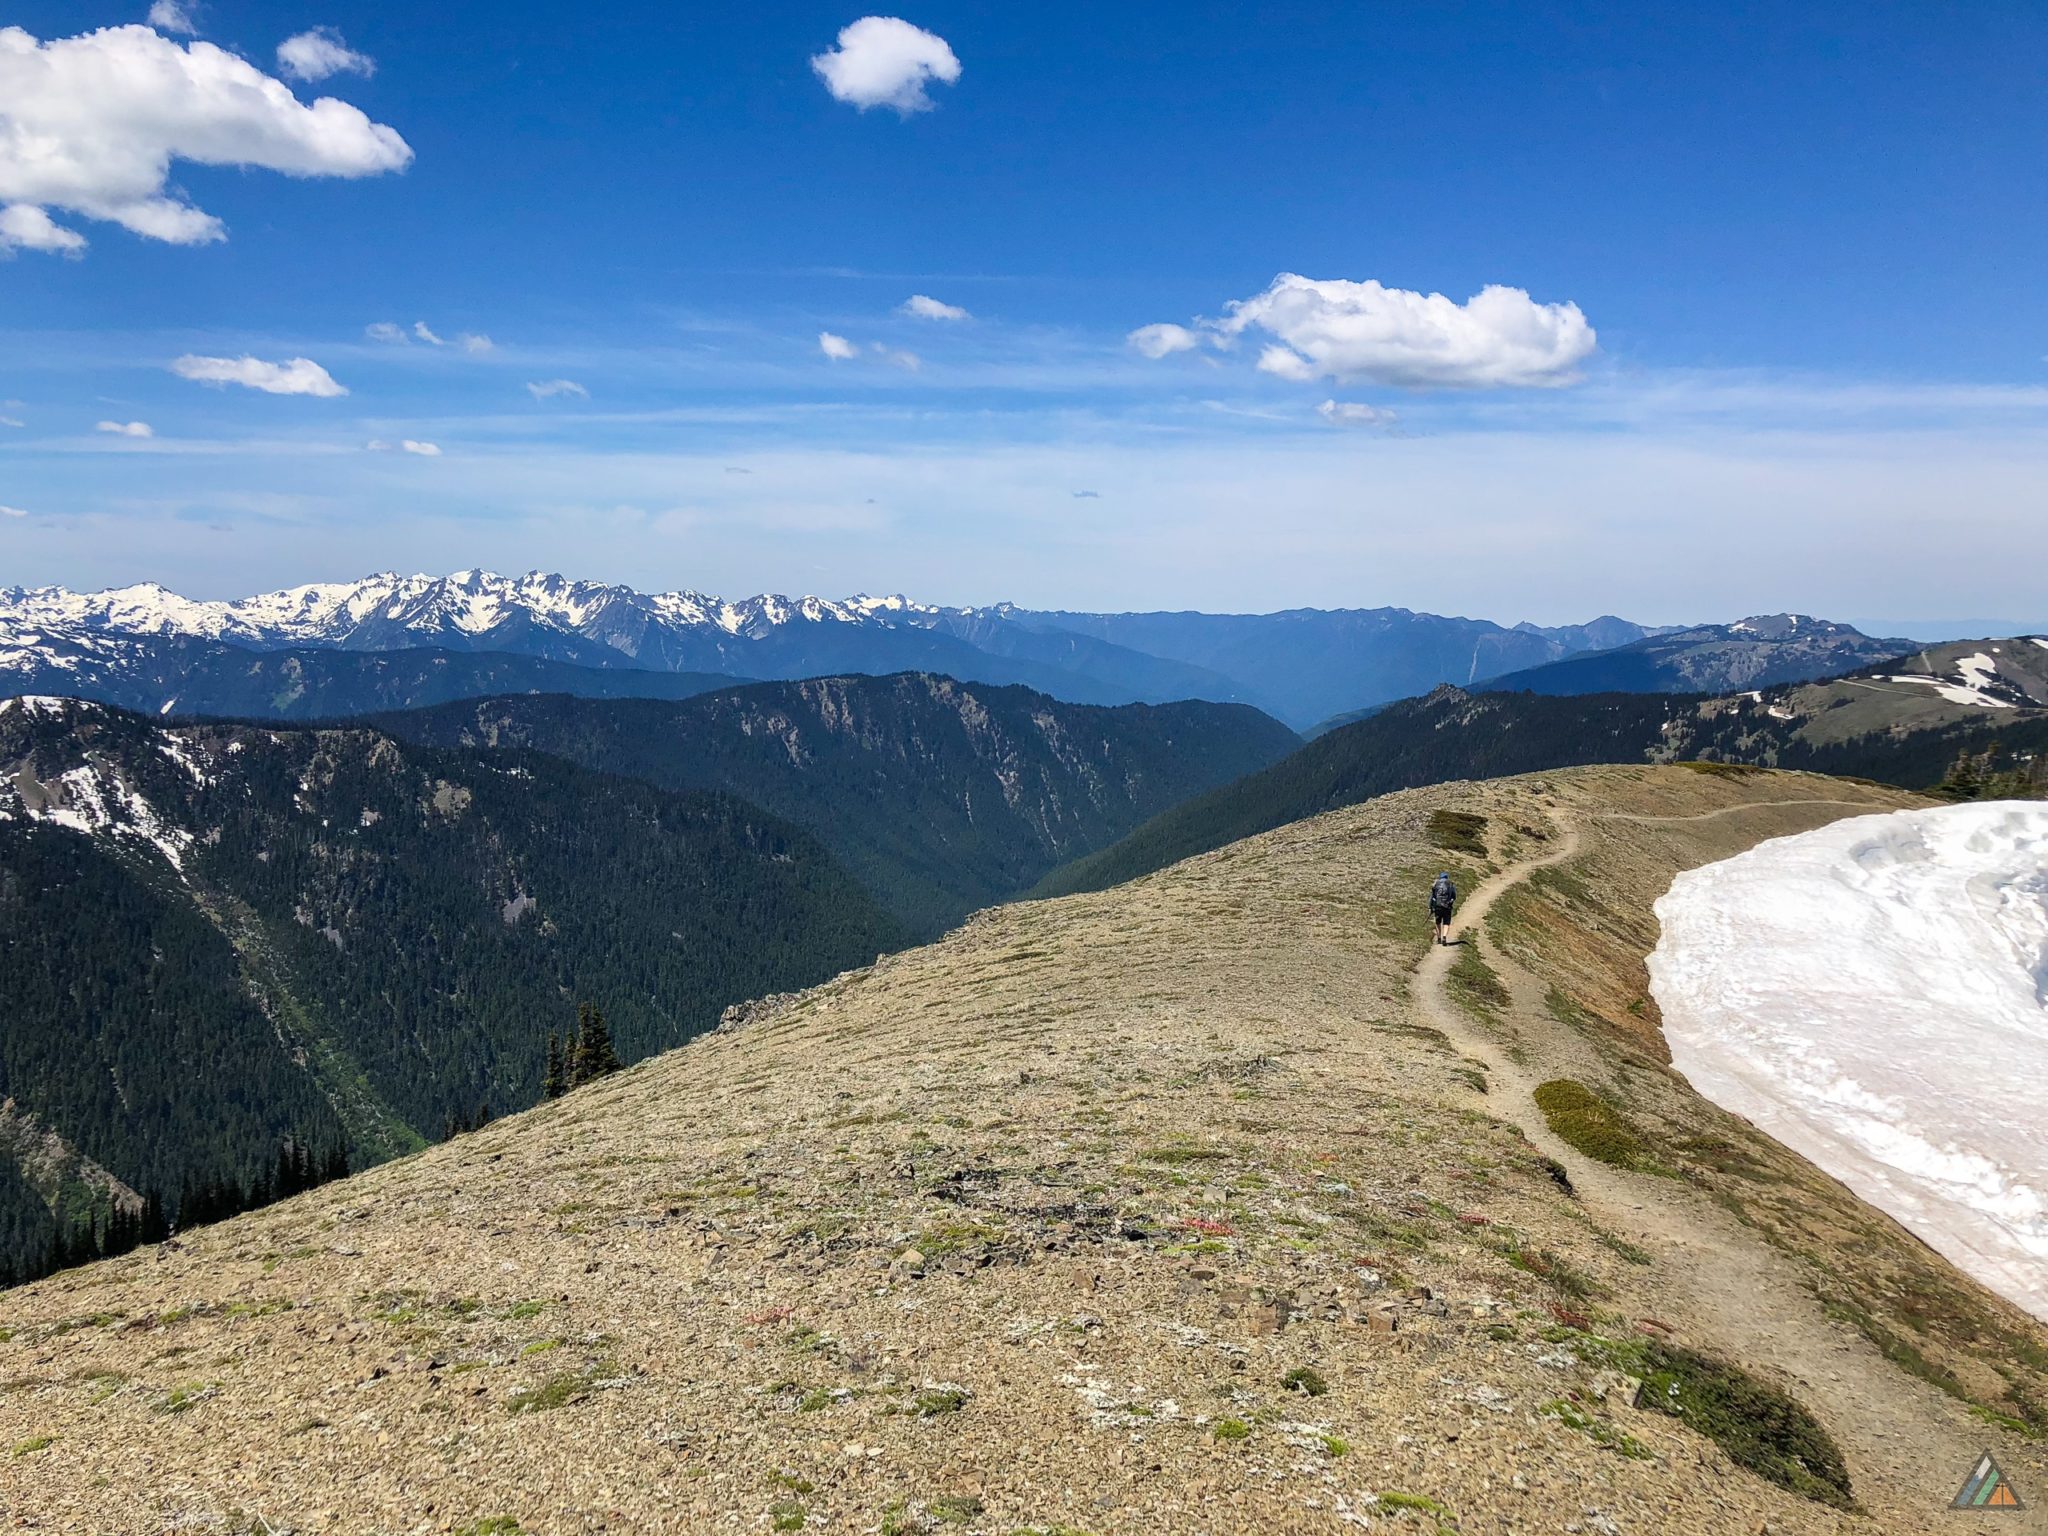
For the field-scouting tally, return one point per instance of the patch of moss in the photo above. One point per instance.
(1230, 1431)
(1588, 1123)
(1306, 1379)
(1602, 1432)
(1422, 1503)
(786, 1516)
(1475, 986)
(1458, 832)
(31, 1446)
(937, 1402)
(491, 1525)
(558, 1390)
(955, 1509)
(1756, 1425)
(1715, 770)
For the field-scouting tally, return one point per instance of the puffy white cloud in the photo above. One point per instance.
(1338, 329)
(171, 16)
(91, 124)
(25, 227)
(319, 53)
(1157, 341)
(838, 348)
(386, 332)
(294, 376)
(1349, 413)
(923, 307)
(12, 512)
(882, 61)
(548, 389)
(127, 428)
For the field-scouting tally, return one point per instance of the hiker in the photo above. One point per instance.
(1443, 897)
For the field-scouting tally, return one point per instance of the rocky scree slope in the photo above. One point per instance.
(217, 936)
(940, 796)
(1166, 1208)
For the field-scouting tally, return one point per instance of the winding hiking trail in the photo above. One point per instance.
(1908, 1446)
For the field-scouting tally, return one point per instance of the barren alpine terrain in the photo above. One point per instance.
(1217, 1202)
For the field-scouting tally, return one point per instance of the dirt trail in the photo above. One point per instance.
(1908, 1446)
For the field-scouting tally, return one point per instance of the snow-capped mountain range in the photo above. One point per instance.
(147, 647)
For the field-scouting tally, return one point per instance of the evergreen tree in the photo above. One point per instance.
(593, 1056)
(551, 1085)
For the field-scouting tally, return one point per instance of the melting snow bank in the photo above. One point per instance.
(1874, 994)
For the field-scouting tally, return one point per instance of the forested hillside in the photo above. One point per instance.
(1448, 734)
(219, 936)
(941, 796)
(1894, 730)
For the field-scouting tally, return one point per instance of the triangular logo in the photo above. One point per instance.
(1987, 1488)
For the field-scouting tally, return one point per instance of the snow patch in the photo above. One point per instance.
(1874, 994)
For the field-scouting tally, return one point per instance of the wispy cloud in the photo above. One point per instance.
(126, 428)
(549, 389)
(294, 376)
(921, 306)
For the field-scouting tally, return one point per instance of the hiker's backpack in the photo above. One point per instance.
(1443, 893)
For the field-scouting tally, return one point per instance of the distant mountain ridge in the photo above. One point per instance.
(178, 674)
(1903, 722)
(1300, 665)
(1757, 652)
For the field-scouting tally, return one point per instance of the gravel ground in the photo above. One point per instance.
(1163, 1209)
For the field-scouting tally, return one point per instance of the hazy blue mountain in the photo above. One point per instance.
(1307, 664)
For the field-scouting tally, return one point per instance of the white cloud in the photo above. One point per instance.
(25, 227)
(319, 53)
(12, 421)
(882, 61)
(475, 342)
(92, 124)
(386, 332)
(127, 428)
(295, 376)
(1157, 341)
(1285, 363)
(547, 389)
(1349, 413)
(12, 512)
(419, 329)
(909, 362)
(1498, 338)
(405, 445)
(922, 307)
(171, 16)
(838, 348)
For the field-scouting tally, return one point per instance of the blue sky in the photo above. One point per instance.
(1806, 368)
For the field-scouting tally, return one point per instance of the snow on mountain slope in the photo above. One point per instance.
(1875, 995)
